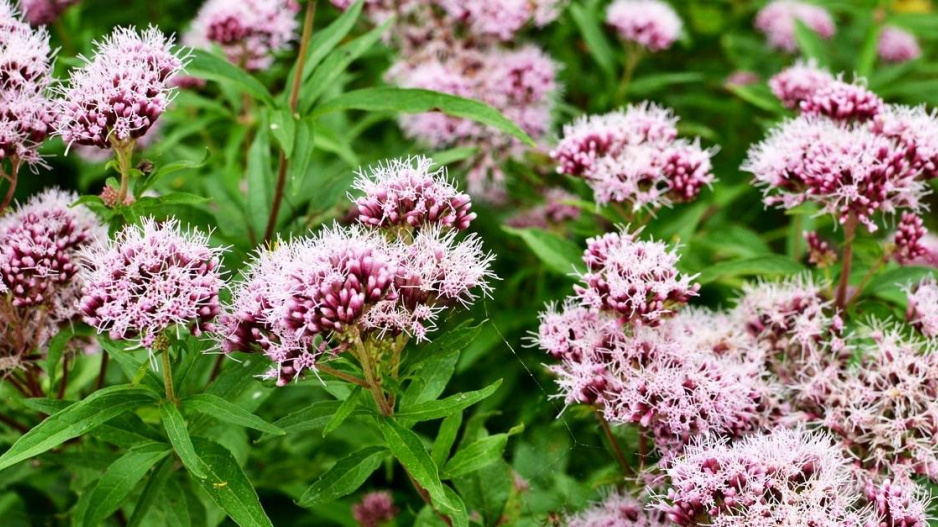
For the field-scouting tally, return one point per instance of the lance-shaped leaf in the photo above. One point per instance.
(344, 477)
(409, 450)
(205, 65)
(120, 479)
(179, 437)
(445, 407)
(479, 454)
(215, 406)
(228, 487)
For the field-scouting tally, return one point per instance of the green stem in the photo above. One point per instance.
(633, 55)
(168, 378)
(850, 230)
(12, 178)
(123, 153)
(620, 457)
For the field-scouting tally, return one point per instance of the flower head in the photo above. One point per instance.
(799, 82)
(149, 278)
(500, 19)
(554, 211)
(635, 279)
(922, 312)
(777, 21)
(375, 509)
(820, 252)
(617, 509)
(41, 12)
(250, 32)
(120, 93)
(908, 239)
(848, 170)
(897, 45)
(651, 24)
(899, 502)
(915, 129)
(411, 193)
(843, 101)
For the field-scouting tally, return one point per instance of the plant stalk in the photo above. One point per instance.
(850, 230)
(620, 457)
(168, 378)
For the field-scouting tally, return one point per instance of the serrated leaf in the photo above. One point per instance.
(76, 420)
(260, 178)
(478, 454)
(325, 40)
(767, 265)
(206, 65)
(454, 339)
(345, 477)
(120, 479)
(430, 410)
(178, 435)
(410, 452)
(228, 487)
(215, 406)
(558, 254)
(403, 100)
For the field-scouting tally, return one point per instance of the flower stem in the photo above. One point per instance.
(123, 153)
(64, 382)
(103, 373)
(633, 55)
(12, 178)
(850, 230)
(168, 378)
(342, 375)
(620, 457)
(294, 100)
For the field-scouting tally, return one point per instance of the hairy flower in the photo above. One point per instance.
(411, 193)
(149, 278)
(40, 243)
(650, 24)
(897, 503)
(375, 509)
(249, 32)
(799, 82)
(633, 278)
(820, 252)
(120, 93)
(843, 101)
(897, 45)
(41, 12)
(848, 170)
(908, 239)
(618, 509)
(787, 477)
(501, 19)
(915, 129)
(777, 21)
(922, 312)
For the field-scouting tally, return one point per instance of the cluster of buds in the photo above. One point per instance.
(43, 12)
(649, 24)
(922, 312)
(634, 156)
(820, 252)
(778, 20)
(554, 211)
(618, 508)
(361, 287)
(897, 45)
(815, 91)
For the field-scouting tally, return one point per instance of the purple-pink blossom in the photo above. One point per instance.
(121, 92)
(649, 24)
(618, 509)
(843, 101)
(820, 252)
(500, 19)
(897, 45)
(777, 21)
(250, 32)
(908, 239)
(375, 509)
(922, 312)
(799, 82)
(915, 129)
(41, 12)
(150, 278)
(897, 502)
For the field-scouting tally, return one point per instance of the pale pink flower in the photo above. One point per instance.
(635, 279)
(820, 252)
(897, 45)
(573, 332)
(121, 92)
(650, 24)
(777, 21)
(922, 312)
(411, 193)
(843, 101)
(375, 509)
(24, 55)
(250, 32)
(618, 509)
(150, 278)
(799, 82)
(908, 240)
(899, 502)
(915, 129)
(785, 478)
(41, 12)
(501, 19)
(554, 211)
(847, 170)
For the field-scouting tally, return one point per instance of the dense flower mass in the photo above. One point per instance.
(787, 477)
(799, 82)
(634, 156)
(897, 503)
(915, 129)
(375, 509)
(250, 32)
(843, 101)
(501, 19)
(617, 509)
(922, 312)
(649, 24)
(411, 193)
(908, 239)
(847, 169)
(40, 12)
(150, 278)
(552, 212)
(121, 92)
(897, 45)
(777, 21)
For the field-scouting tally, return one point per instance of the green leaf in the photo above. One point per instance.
(409, 450)
(215, 406)
(76, 420)
(170, 168)
(559, 254)
(759, 96)
(446, 407)
(209, 66)
(228, 487)
(454, 155)
(866, 61)
(810, 43)
(650, 84)
(179, 437)
(260, 177)
(344, 477)
(418, 101)
(454, 339)
(120, 479)
(306, 140)
(890, 285)
(337, 63)
(479, 454)
(312, 417)
(57, 348)
(283, 128)
(768, 265)
(173, 198)
(446, 438)
(325, 40)
(328, 141)
(344, 411)
(596, 41)
(150, 492)
(430, 381)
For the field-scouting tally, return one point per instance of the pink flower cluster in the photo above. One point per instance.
(787, 477)
(634, 156)
(799, 82)
(26, 114)
(41, 12)
(249, 32)
(896, 45)
(554, 211)
(897, 503)
(648, 24)
(850, 170)
(120, 93)
(922, 312)
(618, 509)
(375, 509)
(150, 278)
(309, 298)
(820, 252)
(908, 240)
(777, 21)
(843, 101)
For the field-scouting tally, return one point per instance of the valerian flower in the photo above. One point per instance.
(843, 101)
(922, 313)
(617, 509)
(649, 24)
(375, 509)
(41, 12)
(799, 82)
(777, 21)
(897, 45)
